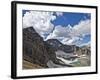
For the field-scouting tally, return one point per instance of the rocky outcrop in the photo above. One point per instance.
(81, 50)
(57, 45)
(86, 50)
(35, 50)
(34, 47)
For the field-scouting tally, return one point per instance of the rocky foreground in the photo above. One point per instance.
(38, 53)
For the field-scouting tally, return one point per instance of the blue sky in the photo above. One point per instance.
(73, 19)
(70, 18)
(63, 20)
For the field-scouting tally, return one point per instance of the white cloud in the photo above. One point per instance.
(59, 13)
(72, 35)
(41, 21)
(82, 29)
(60, 31)
(70, 41)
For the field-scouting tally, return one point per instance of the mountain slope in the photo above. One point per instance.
(59, 46)
(35, 50)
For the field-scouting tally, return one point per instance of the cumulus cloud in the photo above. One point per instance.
(82, 29)
(42, 23)
(71, 41)
(72, 35)
(60, 31)
(59, 13)
(40, 20)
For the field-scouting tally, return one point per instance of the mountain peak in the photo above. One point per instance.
(31, 29)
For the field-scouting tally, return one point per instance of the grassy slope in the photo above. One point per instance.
(29, 65)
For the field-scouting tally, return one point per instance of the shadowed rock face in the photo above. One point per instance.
(86, 50)
(59, 46)
(35, 49)
(71, 49)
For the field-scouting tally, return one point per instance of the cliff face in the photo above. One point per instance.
(33, 47)
(57, 45)
(82, 50)
(86, 50)
(35, 50)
